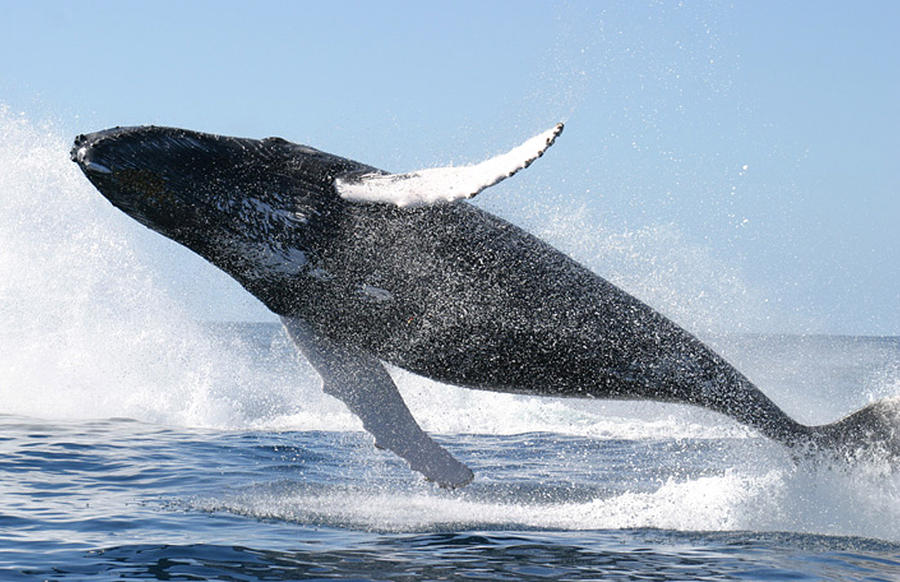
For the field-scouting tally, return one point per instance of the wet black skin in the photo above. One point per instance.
(446, 291)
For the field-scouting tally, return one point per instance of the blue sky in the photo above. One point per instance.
(665, 104)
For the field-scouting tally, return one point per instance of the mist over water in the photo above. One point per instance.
(88, 332)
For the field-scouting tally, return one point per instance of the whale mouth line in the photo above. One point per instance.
(82, 155)
(97, 168)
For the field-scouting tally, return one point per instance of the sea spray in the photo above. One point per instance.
(543, 482)
(85, 330)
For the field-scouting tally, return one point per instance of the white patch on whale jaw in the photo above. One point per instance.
(250, 208)
(258, 245)
(265, 261)
(449, 184)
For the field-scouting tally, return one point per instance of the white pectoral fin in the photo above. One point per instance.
(360, 381)
(449, 184)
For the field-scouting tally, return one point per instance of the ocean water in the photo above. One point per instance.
(138, 443)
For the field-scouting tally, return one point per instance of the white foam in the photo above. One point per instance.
(771, 495)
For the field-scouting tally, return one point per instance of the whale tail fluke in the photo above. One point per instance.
(871, 434)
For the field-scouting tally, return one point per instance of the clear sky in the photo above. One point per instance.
(756, 139)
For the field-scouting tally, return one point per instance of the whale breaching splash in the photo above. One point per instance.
(366, 267)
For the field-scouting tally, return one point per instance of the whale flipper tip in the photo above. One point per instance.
(360, 381)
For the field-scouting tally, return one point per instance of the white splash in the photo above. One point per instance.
(86, 329)
(268, 259)
(764, 495)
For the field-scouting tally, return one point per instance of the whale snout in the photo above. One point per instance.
(163, 177)
(88, 156)
(159, 149)
(80, 145)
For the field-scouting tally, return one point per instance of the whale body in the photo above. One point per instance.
(366, 267)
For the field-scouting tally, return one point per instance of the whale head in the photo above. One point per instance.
(246, 205)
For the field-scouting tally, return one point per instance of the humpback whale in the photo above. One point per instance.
(366, 267)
